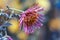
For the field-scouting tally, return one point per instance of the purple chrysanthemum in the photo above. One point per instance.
(31, 19)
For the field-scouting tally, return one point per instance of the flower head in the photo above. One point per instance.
(31, 19)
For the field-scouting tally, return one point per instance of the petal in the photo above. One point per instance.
(25, 28)
(22, 18)
(30, 29)
(9, 38)
(41, 18)
(38, 24)
(39, 9)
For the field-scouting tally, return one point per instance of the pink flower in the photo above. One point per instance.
(31, 19)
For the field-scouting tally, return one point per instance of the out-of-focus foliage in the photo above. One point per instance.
(54, 24)
(22, 35)
(15, 4)
(2, 4)
(45, 4)
(14, 28)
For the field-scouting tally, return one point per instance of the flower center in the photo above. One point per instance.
(30, 18)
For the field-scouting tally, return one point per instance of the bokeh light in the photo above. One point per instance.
(14, 28)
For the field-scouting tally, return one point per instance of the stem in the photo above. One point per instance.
(17, 9)
(11, 14)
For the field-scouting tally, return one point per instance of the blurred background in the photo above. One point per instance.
(51, 27)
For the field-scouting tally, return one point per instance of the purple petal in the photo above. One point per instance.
(39, 9)
(38, 24)
(30, 29)
(9, 38)
(22, 18)
(41, 18)
(25, 29)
